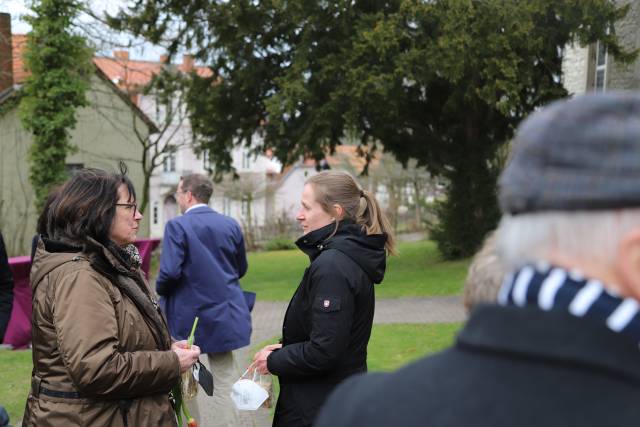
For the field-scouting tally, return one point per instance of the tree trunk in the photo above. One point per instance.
(145, 193)
(417, 194)
(471, 208)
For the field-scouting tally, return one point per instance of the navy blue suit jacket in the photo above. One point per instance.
(203, 258)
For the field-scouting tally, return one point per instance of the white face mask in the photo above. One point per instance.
(248, 395)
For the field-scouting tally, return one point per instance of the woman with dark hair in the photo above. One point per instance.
(328, 322)
(102, 353)
(41, 224)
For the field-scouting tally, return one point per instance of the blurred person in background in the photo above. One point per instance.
(484, 277)
(561, 346)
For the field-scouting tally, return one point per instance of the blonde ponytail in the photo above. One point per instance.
(375, 220)
(339, 188)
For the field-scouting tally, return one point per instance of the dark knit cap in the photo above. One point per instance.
(581, 153)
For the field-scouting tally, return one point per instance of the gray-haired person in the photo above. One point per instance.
(561, 346)
(484, 277)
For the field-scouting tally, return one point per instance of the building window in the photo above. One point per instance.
(73, 168)
(245, 207)
(169, 163)
(226, 206)
(155, 213)
(600, 81)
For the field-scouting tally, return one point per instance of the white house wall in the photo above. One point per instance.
(574, 68)
(287, 196)
(163, 183)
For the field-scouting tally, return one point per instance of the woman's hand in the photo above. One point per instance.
(260, 359)
(187, 356)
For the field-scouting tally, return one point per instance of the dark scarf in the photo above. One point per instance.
(554, 288)
(118, 266)
(127, 256)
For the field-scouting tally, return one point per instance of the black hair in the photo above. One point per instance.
(85, 206)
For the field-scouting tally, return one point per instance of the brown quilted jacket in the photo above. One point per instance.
(90, 339)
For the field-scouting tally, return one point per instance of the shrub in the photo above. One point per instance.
(279, 243)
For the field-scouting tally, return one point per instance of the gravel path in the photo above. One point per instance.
(267, 323)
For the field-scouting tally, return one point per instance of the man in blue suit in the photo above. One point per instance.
(203, 258)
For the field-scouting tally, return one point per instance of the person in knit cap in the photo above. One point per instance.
(560, 346)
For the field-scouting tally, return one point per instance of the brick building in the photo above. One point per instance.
(591, 68)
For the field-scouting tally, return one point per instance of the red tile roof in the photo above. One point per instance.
(131, 73)
(344, 155)
(124, 72)
(349, 154)
(127, 73)
(18, 44)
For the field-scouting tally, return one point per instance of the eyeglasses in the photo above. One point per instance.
(175, 195)
(130, 207)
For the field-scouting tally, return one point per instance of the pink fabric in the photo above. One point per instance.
(146, 247)
(18, 332)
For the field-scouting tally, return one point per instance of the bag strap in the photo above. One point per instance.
(244, 374)
(257, 378)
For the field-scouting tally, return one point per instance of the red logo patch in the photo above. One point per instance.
(327, 303)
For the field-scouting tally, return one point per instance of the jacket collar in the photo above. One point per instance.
(196, 207)
(115, 256)
(313, 242)
(367, 251)
(553, 336)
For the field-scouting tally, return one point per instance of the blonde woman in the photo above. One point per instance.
(328, 322)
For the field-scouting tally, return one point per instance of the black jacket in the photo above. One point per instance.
(509, 367)
(328, 322)
(6, 289)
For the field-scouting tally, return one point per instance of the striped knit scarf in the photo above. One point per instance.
(554, 288)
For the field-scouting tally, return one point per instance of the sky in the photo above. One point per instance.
(139, 50)
(16, 8)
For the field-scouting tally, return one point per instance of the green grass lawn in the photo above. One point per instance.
(395, 345)
(417, 271)
(16, 380)
(390, 347)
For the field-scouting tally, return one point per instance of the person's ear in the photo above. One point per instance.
(628, 263)
(338, 211)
